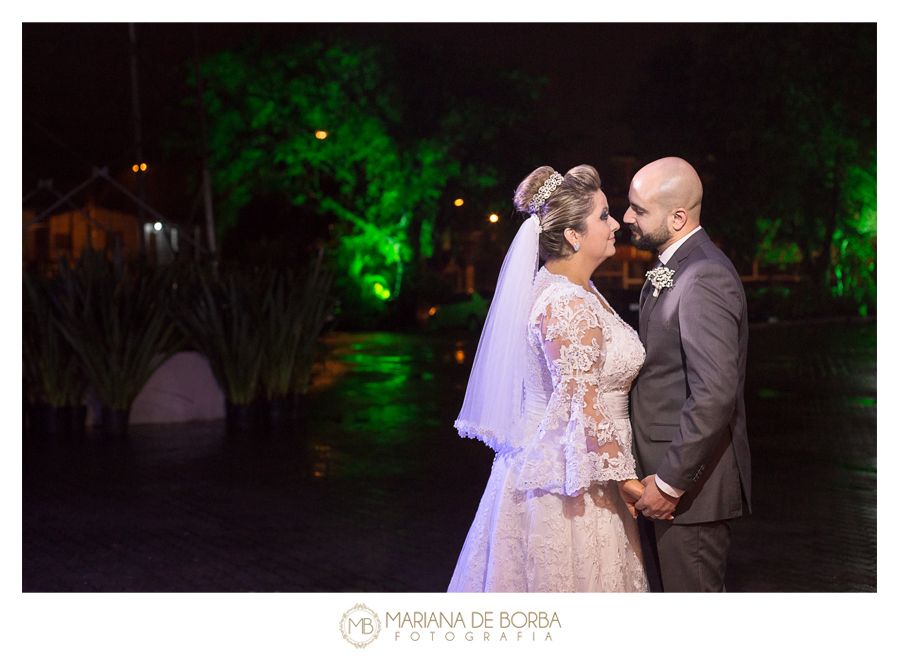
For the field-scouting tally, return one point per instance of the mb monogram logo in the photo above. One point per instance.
(360, 626)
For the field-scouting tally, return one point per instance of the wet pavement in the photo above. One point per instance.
(376, 492)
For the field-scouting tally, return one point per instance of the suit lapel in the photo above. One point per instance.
(645, 290)
(646, 310)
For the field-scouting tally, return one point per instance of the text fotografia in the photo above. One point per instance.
(481, 626)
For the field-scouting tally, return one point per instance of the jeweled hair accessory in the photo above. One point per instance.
(538, 200)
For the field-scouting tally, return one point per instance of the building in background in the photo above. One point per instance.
(67, 233)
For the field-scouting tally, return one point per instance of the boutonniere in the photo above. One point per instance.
(661, 277)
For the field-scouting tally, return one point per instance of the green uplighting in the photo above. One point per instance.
(381, 291)
(769, 394)
(323, 127)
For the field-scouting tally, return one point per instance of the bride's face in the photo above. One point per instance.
(599, 239)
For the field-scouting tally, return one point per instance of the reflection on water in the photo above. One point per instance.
(379, 398)
(769, 393)
(379, 405)
(321, 460)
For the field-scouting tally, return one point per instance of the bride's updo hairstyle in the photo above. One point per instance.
(568, 206)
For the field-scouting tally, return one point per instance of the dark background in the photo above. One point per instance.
(77, 105)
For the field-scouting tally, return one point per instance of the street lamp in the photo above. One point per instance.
(321, 134)
(458, 203)
(494, 219)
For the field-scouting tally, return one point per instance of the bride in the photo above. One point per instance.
(549, 393)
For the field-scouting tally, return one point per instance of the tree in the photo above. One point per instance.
(323, 126)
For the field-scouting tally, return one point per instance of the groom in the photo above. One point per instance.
(687, 403)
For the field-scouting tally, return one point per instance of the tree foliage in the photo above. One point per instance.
(376, 179)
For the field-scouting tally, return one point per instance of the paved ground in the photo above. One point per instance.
(377, 492)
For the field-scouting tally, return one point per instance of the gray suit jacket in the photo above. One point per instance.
(687, 402)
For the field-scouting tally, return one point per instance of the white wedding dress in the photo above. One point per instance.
(551, 518)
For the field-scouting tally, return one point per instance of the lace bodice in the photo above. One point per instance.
(579, 351)
(564, 311)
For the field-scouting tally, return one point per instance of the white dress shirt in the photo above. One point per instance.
(665, 256)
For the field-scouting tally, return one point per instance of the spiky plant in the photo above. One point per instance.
(314, 311)
(117, 320)
(51, 367)
(221, 318)
(295, 306)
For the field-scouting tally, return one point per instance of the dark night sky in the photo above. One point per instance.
(77, 84)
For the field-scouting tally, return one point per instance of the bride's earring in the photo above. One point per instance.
(576, 246)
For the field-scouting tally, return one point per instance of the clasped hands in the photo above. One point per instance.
(645, 496)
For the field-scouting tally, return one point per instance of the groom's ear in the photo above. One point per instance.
(679, 218)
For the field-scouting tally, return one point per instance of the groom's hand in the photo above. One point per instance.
(655, 504)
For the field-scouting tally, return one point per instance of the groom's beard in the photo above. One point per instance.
(650, 241)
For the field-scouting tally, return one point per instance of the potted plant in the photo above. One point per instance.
(54, 385)
(315, 311)
(295, 307)
(221, 318)
(116, 318)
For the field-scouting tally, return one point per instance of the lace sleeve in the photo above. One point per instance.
(577, 442)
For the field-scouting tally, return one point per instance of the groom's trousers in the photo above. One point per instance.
(690, 557)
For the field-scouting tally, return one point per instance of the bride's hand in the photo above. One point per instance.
(630, 491)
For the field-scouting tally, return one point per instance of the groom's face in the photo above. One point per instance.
(647, 220)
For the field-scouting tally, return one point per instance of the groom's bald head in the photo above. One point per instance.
(672, 183)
